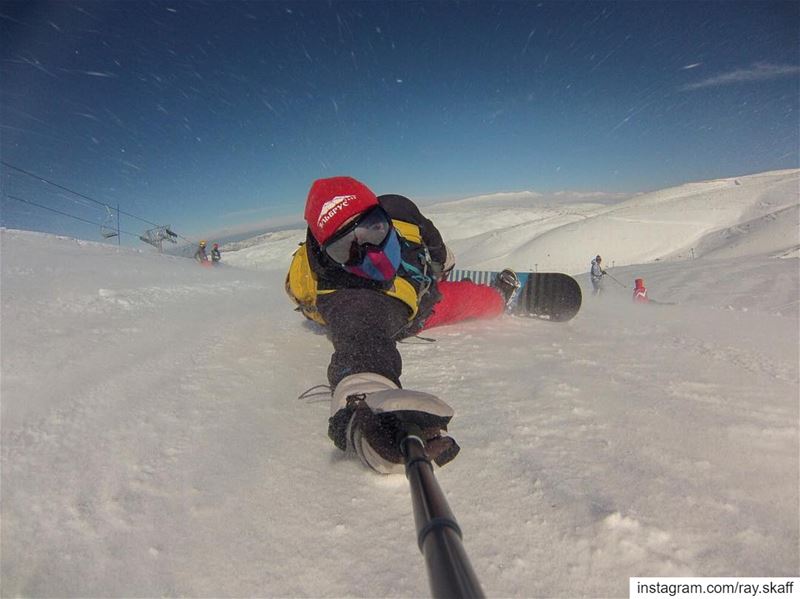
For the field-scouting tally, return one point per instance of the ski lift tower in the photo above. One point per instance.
(157, 236)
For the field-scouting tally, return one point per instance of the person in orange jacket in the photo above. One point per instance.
(200, 255)
(640, 293)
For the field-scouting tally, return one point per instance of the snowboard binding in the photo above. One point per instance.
(507, 283)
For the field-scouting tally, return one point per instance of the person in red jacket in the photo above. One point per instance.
(372, 271)
(640, 292)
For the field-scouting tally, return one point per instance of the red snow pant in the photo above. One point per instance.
(465, 300)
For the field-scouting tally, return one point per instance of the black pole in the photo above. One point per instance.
(438, 534)
(617, 282)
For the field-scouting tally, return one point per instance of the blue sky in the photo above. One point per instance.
(212, 115)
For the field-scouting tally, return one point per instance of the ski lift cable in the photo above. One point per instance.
(24, 172)
(90, 222)
(29, 174)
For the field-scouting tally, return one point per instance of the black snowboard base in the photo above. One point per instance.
(552, 296)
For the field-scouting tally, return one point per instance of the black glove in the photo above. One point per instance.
(383, 433)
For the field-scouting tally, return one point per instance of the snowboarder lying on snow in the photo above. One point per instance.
(372, 270)
(597, 274)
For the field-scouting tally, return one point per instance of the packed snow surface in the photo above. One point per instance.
(153, 443)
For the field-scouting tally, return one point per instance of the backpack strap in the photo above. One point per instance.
(408, 231)
(301, 285)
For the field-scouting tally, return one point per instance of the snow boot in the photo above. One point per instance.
(370, 415)
(507, 283)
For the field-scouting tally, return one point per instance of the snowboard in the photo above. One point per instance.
(550, 296)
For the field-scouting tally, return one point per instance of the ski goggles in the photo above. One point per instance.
(349, 246)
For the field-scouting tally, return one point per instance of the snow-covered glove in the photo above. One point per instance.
(442, 270)
(370, 415)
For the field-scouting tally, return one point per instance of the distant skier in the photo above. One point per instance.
(640, 292)
(215, 254)
(373, 270)
(200, 255)
(596, 274)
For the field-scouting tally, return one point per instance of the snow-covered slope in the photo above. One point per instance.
(666, 223)
(273, 252)
(153, 445)
(562, 232)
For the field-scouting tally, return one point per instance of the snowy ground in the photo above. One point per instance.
(152, 444)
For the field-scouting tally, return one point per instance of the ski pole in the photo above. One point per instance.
(613, 279)
(438, 534)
